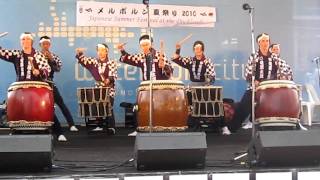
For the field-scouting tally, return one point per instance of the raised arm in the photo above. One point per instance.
(86, 62)
(134, 59)
(9, 55)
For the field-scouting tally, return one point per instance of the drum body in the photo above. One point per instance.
(207, 101)
(30, 104)
(277, 101)
(170, 110)
(94, 102)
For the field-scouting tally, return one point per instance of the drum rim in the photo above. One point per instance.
(276, 82)
(157, 82)
(80, 88)
(205, 87)
(21, 84)
(272, 86)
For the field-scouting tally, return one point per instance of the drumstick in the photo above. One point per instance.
(185, 39)
(161, 47)
(48, 81)
(102, 77)
(78, 50)
(30, 60)
(121, 45)
(161, 51)
(3, 34)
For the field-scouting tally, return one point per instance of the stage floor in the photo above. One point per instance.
(101, 155)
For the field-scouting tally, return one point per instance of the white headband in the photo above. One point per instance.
(44, 40)
(276, 45)
(145, 41)
(24, 35)
(263, 36)
(101, 46)
(198, 45)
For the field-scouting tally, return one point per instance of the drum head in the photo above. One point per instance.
(161, 84)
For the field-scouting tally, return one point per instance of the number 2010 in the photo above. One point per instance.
(189, 13)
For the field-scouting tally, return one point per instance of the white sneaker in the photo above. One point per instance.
(302, 127)
(97, 129)
(74, 129)
(112, 131)
(204, 125)
(134, 133)
(62, 138)
(225, 131)
(248, 125)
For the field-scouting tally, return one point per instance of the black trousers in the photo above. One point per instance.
(57, 129)
(59, 101)
(242, 111)
(110, 121)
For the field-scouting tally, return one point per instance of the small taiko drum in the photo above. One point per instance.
(207, 101)
(277, 103)
(30, 104)
(170, 106)
(94, 102)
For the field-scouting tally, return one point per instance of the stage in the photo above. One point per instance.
(96, 154)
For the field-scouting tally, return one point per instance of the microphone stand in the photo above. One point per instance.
(249, 152)
(317, 62)
(150, 57)
(251, 13)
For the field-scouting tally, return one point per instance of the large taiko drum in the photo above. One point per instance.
(30, 104)
(170, 106)
(277, 103)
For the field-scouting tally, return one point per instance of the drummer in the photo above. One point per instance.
(161, 67)
(275, 49)
(55, 64)
(29, 64)
(104, 72)
(201, 70)
(266, 66)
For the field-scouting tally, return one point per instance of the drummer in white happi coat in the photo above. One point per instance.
(263, 65)
(201, 70)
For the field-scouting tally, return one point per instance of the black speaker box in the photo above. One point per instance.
(285, 148)
(170, 150)
(25, 152)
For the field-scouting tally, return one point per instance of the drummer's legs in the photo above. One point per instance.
(243, 110)
(64, 109)
(224, 128)
(111, 120)
(57, 129)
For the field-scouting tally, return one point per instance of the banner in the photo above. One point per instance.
(91, 13)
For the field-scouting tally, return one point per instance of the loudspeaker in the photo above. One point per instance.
(170, 150)
(25, 152)
(285, 148)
